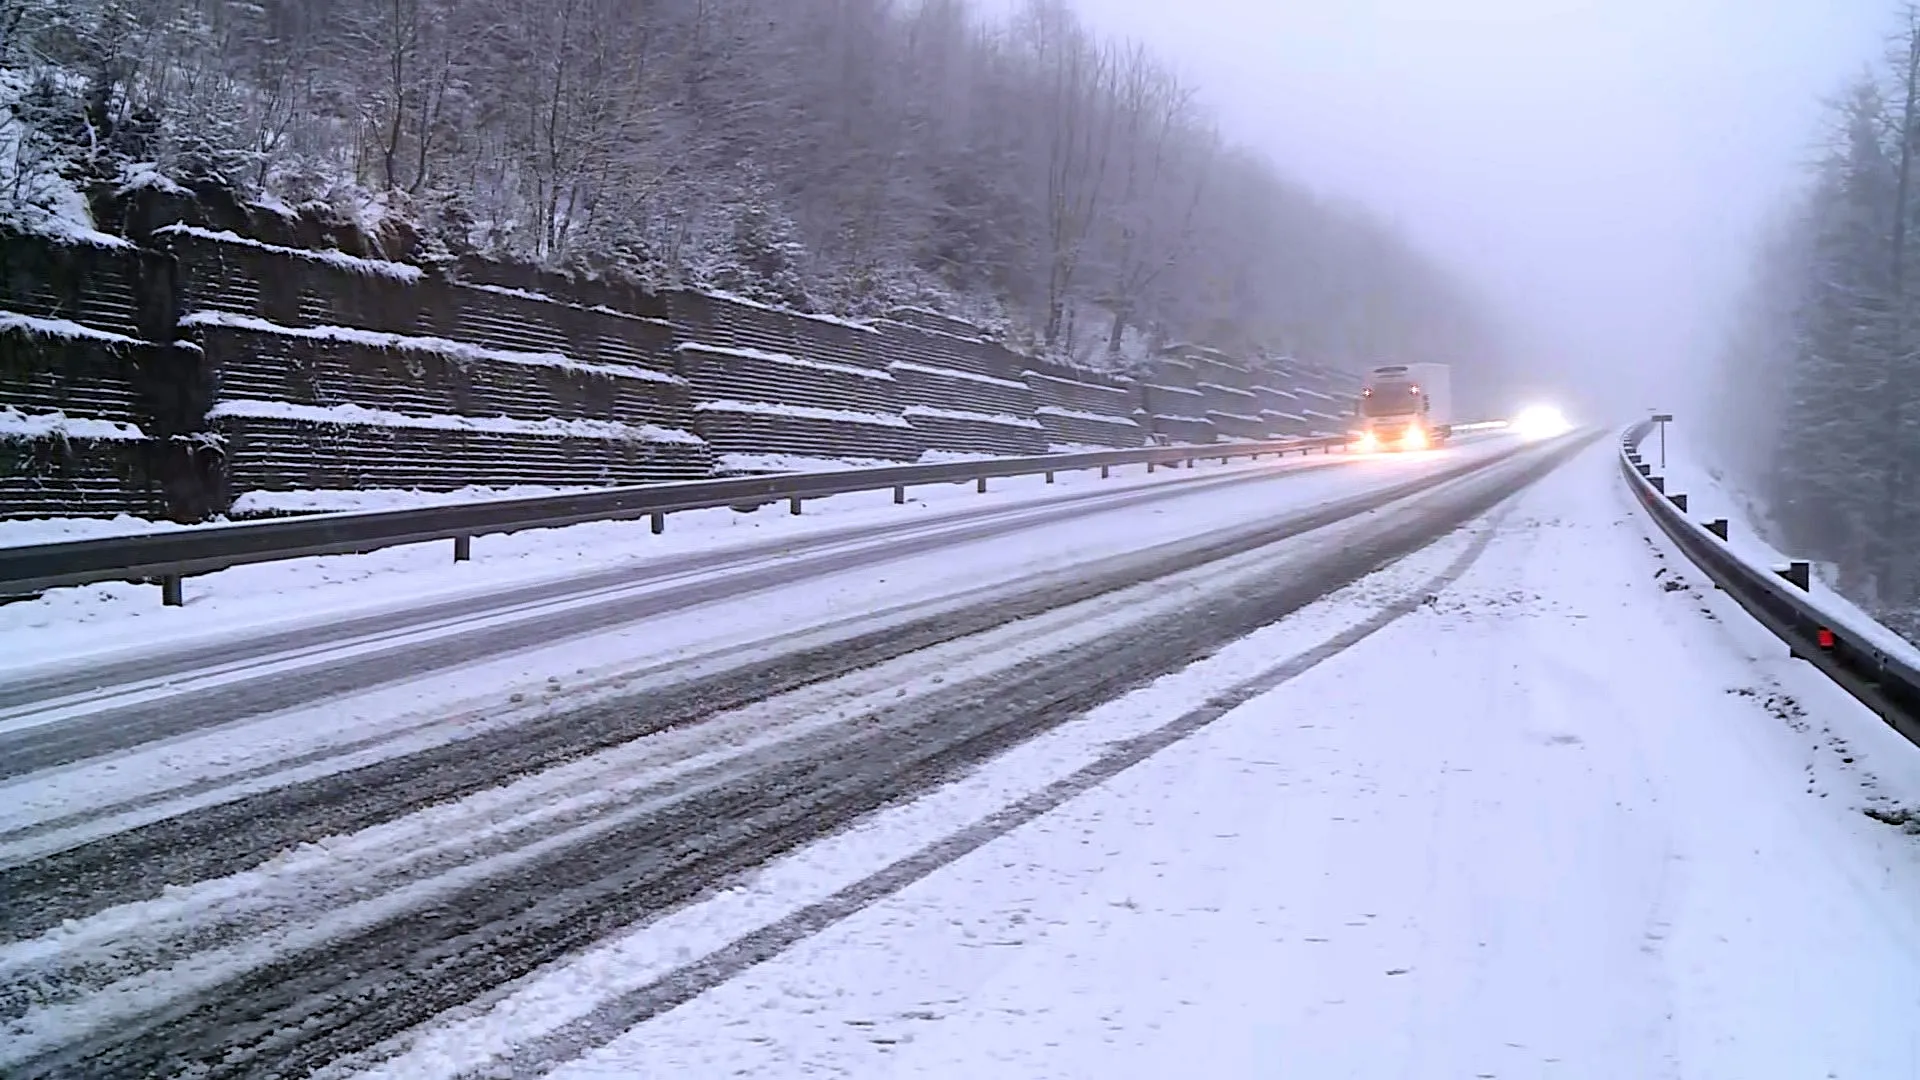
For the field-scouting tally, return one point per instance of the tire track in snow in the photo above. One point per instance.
(614, 1018)
(215, 841)
(356, 990)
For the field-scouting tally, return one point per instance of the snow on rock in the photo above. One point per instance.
(357, 415)
(951, 373)
(18, 425)
(321, 500)
(458, 350)
(338, 259)
(59, 328)
(784, 359)
(1000, 419)
(807, 412)
(145, 175)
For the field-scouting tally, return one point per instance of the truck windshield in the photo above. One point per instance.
(1390, 399)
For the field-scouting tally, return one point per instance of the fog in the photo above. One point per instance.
(1598, 167)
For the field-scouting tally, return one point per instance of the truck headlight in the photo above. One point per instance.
(1415, 438)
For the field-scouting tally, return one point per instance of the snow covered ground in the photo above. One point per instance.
(1560, 820)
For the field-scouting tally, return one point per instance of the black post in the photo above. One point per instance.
(1798, 573)
(171, 593)
(793, 506)
(1679, 501)
(1659, 483)
(899, 494)
(462, 549)
(1049, 476)
(980, 485)
(1718, 527)
(1106, 471)
(659, 523)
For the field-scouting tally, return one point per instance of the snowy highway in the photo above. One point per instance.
(1434, 765)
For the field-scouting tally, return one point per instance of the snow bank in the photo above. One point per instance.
(320, 501)
(18, 425)
(786, 359)
(457, 350)
(1097, 418)
(59, 328)
(339, 260)
(360, 416)
(805, 412)
(952, 373)
(29, 531)
(1001, 419)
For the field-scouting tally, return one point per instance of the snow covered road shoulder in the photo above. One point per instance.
(1567, 819)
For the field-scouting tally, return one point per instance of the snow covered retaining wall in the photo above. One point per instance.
(88, 407)
(237, 373)
(777, 389)
(1080, 408)
(966, 393)
(332, 372)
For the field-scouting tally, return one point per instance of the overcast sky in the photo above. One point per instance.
(1600, 166)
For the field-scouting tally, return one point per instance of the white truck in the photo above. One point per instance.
(1406, 407)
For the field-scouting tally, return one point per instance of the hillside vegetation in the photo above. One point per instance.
(836, 155)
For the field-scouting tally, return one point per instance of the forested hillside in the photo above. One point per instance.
(1816, 394)
(835, 155)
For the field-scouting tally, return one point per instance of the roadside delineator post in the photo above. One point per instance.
(1799, 573)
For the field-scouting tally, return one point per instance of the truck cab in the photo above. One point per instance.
(1405, 407)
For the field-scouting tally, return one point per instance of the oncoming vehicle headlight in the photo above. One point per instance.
(1540, 422)
(1368, 442)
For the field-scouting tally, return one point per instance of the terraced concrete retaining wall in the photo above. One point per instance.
(207, 373)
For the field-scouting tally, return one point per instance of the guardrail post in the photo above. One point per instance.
(659, 523)
(1189, 463)
(1799, 573)
(980, 485)
(899, 494)
(1049, 476)
(1718, 527)
(1659, 483)
(463, 549)
(1149, 466)
(1679, 501)
(171, 593)
(793, 506)
(1106, 472)
(1645, 469)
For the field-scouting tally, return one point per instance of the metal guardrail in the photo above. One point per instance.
(1779, 600)
(169, 557)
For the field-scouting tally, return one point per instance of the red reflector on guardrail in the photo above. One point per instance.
(1826, 638)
